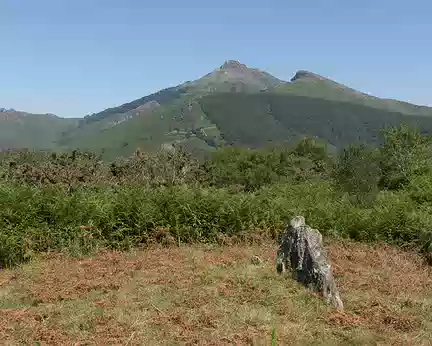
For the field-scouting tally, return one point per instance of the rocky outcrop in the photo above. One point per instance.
(302, 254)
(302, 74)
(5, 110)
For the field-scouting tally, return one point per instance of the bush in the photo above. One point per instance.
(253, 169)
(45, 219)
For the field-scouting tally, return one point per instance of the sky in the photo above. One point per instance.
(77, 57)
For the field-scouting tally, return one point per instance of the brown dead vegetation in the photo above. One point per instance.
(213, 296)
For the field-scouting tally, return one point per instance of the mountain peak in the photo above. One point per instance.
(233, 75)
(5, 110)
(233, 64)
(303, 74)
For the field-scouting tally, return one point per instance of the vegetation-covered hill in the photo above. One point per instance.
(175, 117)
(232, 105)
(20, 130)
(246, 120)
(237, 105)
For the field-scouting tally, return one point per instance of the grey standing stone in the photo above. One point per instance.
(302, 253)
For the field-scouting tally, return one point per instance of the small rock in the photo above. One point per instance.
(256, 261)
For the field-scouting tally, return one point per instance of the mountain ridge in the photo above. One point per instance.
(23, 130)
(235, 76)
(187, 115)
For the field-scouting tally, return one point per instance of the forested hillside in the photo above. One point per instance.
(256, 120)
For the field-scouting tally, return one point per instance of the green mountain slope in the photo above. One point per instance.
(249, 120)
(33, 131)
(255, 120)
(177, 117)
(174, 124)
(312, 85)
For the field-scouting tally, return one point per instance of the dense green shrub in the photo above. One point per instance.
(252, 169)
(404, 154)
(34, 219)
(357, 172)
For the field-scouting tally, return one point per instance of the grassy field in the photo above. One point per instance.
(214, 295)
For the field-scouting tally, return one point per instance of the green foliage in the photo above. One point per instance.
(35, 219)
(404, 155)
(244, 120)
(273, 337)
(172, 124)
(247, 168)
(357, 172)
(74, 202)
(256, 120)
(251, 169)
(83, 169)
(316, 155)
(65, 169)
(162, 168)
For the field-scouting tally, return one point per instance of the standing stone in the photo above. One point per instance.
(303, 254)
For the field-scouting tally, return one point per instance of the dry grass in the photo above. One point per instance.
(214, 296)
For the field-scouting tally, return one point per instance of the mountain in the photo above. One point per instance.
(232, 105)
(176, 118)
(20, 130)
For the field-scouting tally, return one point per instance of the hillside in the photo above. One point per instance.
(309, 84)
(246, 120)
(255, 120)
(33, 131)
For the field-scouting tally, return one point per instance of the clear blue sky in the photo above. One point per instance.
(74, 57)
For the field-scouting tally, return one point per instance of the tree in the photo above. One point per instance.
(357, 172)
(404, 155)
(316, 154)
